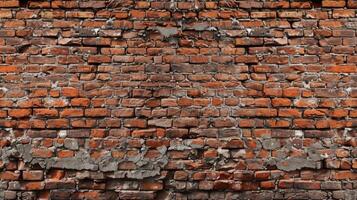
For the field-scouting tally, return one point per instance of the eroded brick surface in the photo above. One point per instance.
(168, 99)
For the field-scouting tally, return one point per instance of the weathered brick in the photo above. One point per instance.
(9, 176)
(71, 113)
(9, 3)
(139, 123)
(57, 123)
(329, 3)
(19, 113)
(44, 112)
(70, 92)
(41, 153)
(34, 175)
(96, 112)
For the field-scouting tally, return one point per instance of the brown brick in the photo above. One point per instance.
(34, 175)
(19, 113)
(71, 113)
(9, 175)
(41, 153)
(9, 3)
(329, 3)
(70, 92)
(96, 112)
(43, 112)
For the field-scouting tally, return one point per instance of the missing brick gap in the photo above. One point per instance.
(317, 3)
(23, 3)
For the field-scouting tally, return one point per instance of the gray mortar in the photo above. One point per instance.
(271, 144)
(167, 31)
(291, 164)
(71, 144)
(81, 161)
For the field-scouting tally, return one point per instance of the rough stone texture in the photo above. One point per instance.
(166, 99)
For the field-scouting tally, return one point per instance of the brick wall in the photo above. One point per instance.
(178, 99)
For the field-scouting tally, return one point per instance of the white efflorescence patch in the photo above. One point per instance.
(10, 130)
(299, 133)
(212, 28)
(235, 21)
(4, 89)
(348, 90)
(96, 30)
(54, 85)
(62, 133)
(346, 130)
(172, 4)
(110, 20)
(223, 152)
(324, 155)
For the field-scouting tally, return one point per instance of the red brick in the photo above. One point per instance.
(44, 112)
(329, 3)
(99, 59)
(9, 3)
(19, 113)
(157, 14)
(304, 123)
(57, 123)
(41, 153)
(34, 185)
(313, 113)
(263, 14)
(249, 41)
(34, 175)
(140, 123)
(80, 102)
(5, 14)
(289, 113)
(341, 69)
(96, 112)
(65, 154)
(9, 175)
(69, 92)
(9, 69)
(151, 186)
(280, 102)
(76, 14)
(71, 113)
(290, 14)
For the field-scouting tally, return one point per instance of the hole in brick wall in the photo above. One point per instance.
(23, 3)
(23, 48)
(317, 3)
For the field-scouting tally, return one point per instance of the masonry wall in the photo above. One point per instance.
(178, 99)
